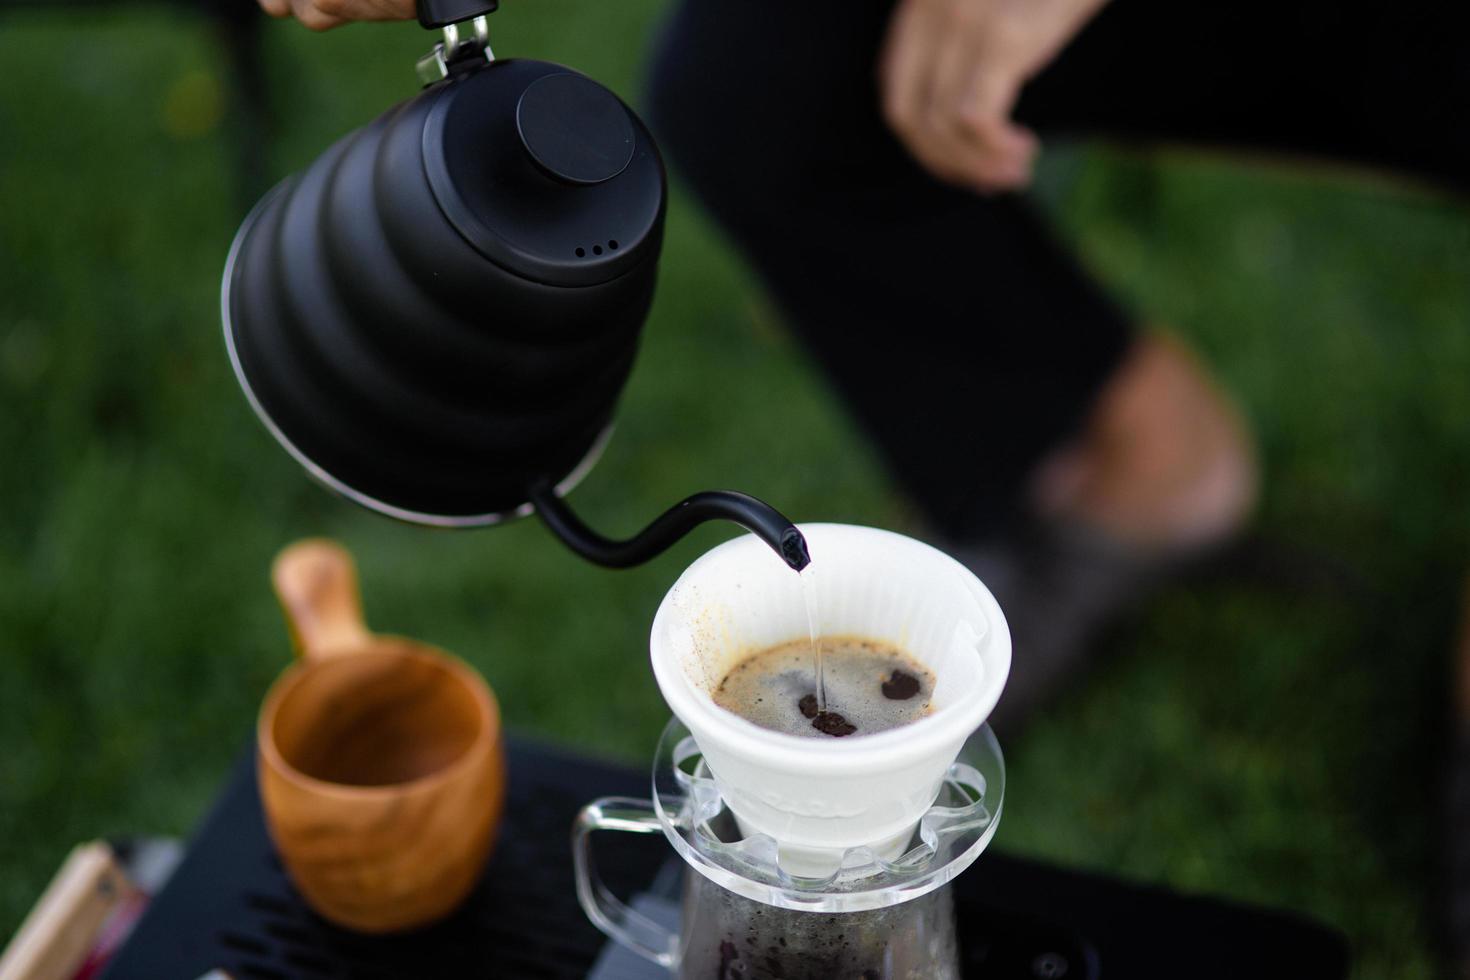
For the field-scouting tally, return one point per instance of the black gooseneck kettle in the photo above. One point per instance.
(437, 316)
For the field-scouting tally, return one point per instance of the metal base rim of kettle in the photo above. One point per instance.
(326, 479)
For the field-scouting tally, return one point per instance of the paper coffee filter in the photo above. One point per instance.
(825, 795)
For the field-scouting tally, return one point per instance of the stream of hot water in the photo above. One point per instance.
(813, 625)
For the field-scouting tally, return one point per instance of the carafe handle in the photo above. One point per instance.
(608, 912)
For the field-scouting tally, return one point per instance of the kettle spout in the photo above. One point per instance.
(755, 515)
(793, 547)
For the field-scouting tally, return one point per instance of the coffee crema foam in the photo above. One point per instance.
(871, 686)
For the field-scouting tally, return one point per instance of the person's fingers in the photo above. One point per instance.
(956, 59)
(392, 10)
(948, 94)
(319, 15)
(906, 73)
(1002, 152)
(949, 81)
(901, 67)
(1003, 157)
(980, 149)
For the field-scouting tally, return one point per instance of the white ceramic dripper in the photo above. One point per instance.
(819, 797)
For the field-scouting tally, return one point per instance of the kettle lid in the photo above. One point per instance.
(544, 172)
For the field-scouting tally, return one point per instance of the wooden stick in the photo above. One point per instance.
(56, 936)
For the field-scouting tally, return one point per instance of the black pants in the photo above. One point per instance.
(964, 338)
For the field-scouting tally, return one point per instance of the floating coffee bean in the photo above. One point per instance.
(831, 723)
(900, 686)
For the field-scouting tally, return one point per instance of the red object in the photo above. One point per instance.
(114, 933)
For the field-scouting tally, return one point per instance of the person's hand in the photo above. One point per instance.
(320, 15)
(950, 74)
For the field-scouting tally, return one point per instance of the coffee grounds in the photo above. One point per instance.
(728, 955)
(831, 723)
(900, 686)
(872, 687)
(826, 722)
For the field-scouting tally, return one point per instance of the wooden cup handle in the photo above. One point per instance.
(316, 583)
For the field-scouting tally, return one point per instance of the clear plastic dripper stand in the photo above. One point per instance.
(745, 916)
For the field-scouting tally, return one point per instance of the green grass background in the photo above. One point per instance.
(1273, 732)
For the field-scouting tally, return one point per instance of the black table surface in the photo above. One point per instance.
(230, 906)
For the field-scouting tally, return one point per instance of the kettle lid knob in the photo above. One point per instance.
(574, 130)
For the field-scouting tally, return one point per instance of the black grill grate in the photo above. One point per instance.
(229, 905)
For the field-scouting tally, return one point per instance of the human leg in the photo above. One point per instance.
(991, 373)
(965, 340)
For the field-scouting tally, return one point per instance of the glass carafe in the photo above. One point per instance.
(743, 916)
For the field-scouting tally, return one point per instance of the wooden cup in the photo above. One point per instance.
(380, 759)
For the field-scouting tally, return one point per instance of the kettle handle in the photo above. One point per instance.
(434, 14)
(466, 41)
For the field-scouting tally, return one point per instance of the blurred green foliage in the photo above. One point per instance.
(1273, 731)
